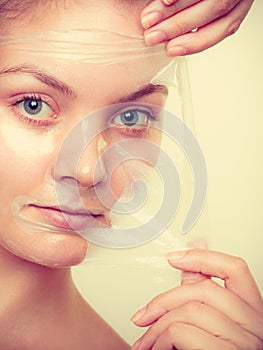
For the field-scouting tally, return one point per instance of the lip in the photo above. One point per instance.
(71, 219)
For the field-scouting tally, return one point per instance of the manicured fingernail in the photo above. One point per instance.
(168, 2)
(139, 314)
(177, 255)
(176, 51)
(154, 38)
(150, 19)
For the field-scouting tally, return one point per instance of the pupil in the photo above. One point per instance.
(33, 106)
(129, 118)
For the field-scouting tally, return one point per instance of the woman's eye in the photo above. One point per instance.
(35, 108)
(132, 118)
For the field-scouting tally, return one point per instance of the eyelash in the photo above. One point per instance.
(136, 130)
(31, 121)
(133, 130)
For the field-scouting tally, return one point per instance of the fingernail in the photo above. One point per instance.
(174, 256)
(150, 19)
(139, 314)
(155, 37)
(176, 51)
(168, 2)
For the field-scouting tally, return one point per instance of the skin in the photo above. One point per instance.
(35, 275)
(201, 313)
(40, 306)
(175, 22)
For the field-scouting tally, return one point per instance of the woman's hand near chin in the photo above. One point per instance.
(202, 314)
(175, 22)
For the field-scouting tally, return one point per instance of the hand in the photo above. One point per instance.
(203, 314)
(176, 21)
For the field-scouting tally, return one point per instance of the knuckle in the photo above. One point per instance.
(172, 329)
(222, 7)
(180, 27)
(192, 307)
(240, 265)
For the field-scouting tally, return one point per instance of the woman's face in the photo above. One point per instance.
(42, 97)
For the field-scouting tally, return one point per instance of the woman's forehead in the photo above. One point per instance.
(55, 15)
(88, 45)
(98, 58)
(84, 79)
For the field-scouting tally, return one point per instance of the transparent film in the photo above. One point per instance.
(123, 169)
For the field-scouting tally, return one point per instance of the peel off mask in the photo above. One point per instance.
(121, 173)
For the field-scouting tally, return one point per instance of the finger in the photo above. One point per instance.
(180, 336)
(157, 11)
(211, 34)
(194, 277)
(185, 21)
(233, 270)
(200, 315)
(209, 293)
(169, 2)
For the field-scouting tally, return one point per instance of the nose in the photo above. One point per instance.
(90, 169)
(81, 164)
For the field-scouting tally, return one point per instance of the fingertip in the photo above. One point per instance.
(169, 2)
(174, 256)
(150, 19)
(138, 316)
(176, 51)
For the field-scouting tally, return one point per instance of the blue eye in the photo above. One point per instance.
(34, 110)
(132, 118)
(35, 107)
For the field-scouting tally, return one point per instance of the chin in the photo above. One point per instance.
(49, 249)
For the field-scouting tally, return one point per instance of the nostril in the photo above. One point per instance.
(68, 180)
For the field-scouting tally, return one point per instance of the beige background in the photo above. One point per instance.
(227, 97)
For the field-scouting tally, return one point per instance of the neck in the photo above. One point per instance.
(40, 308)
(20, 278)
(31, 296)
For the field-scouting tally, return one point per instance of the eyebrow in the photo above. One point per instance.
(57, 84)
(143, 91)
(43, 77)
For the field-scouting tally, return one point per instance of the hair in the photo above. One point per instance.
(14, 10)
(28, 10)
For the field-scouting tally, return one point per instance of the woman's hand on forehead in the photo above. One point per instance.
(191, 26)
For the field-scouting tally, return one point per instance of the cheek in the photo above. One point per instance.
(24, 157)
(118, 182)
(123, 177)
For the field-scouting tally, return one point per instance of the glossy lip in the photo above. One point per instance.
(70, 219)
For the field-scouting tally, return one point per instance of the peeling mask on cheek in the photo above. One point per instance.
(25, 144)
(102, 179)
(94, 175)
(102, 184)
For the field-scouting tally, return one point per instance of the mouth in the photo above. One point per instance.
(71, 219)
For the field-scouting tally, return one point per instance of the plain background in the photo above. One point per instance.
(227, 94)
